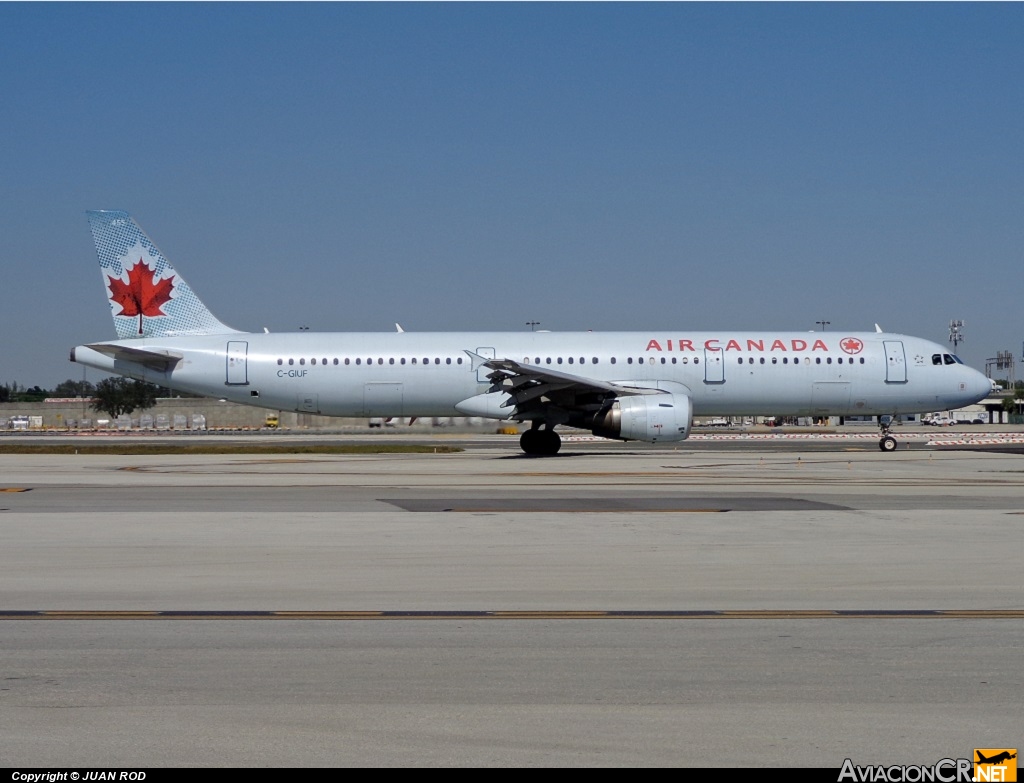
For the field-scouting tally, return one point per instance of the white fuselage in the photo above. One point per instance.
(428, 374)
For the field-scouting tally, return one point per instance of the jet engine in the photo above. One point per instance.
(648, 417)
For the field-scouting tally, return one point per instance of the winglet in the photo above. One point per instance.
(878, 328)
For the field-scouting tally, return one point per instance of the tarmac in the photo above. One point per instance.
(758, 602)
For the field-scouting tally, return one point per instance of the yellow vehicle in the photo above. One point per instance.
(271, 421)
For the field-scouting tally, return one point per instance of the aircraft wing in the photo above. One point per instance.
(533, 390)
(157, 360)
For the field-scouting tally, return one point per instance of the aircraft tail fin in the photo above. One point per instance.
(147, 297)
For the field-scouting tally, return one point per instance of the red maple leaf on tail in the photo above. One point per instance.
(141, 295)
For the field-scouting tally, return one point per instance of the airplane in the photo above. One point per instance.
(642, 385)
(996, 759)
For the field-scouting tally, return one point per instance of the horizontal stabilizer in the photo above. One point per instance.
(161, 361)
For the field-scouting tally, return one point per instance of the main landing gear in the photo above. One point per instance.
(542, 443)
(888, 442)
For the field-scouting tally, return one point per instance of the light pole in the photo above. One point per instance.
(823, 324)
(533, 325)
(956, 334)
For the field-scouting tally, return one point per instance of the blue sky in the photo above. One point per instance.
(472, 166)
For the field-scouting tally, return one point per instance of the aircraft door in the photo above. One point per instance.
(237, 372)
(895, 362)
(830, 398)
(714, 365)
(481, 371)
(382, 399)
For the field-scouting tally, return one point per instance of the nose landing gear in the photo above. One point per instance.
(887, 442)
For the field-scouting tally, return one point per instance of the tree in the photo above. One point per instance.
(70, 388)
(1012, 403)
(120, 396)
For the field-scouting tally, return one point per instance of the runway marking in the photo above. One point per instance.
(528, 614)
(542, 510)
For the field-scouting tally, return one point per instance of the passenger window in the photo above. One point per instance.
(280, 361)
(448, 360)
(302, 361)
(359, 361)
(613, 360)
(391, 360)
(570, 360)
(291, 361)
(762, 360)
(629, 360)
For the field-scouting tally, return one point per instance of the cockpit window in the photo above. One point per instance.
(936, 358)
(948, 358)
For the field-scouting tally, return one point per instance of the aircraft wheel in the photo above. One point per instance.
(530, 442)
(888, 443)
(552, 443)
(543, 443)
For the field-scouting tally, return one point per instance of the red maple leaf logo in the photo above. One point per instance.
(141, 295)
(851, 345)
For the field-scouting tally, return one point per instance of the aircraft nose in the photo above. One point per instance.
(980, 386)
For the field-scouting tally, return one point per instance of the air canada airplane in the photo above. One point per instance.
(645, 385)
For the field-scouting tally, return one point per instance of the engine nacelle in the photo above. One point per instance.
(648, 417)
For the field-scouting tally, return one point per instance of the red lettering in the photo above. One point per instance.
(799, 345)
(755, 345)
(778, 345)
(709, 347)
(732, 345)
(670, 345)
(686, 345)
(653, 346)
(819, 346)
